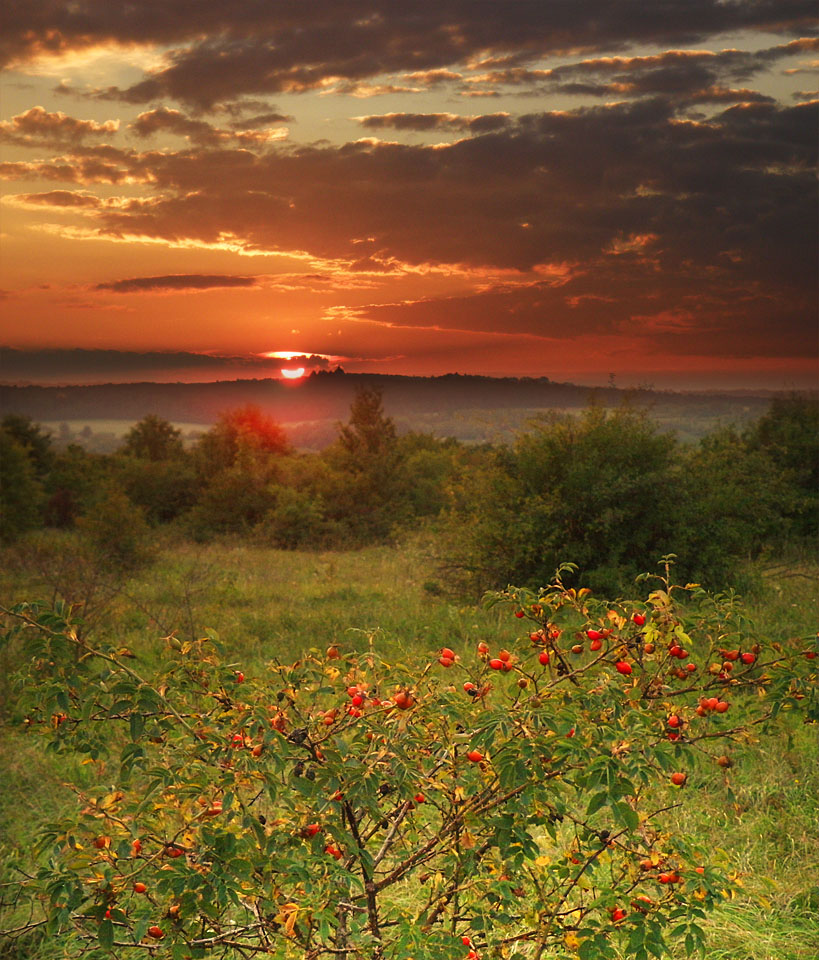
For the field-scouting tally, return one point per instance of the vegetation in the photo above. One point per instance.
(244, 801)
(187, 685)
(605, 488)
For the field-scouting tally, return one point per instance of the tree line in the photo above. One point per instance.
(605, 489)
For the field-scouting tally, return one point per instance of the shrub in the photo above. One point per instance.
(493, 803)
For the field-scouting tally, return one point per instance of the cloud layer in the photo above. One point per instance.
(636, 172)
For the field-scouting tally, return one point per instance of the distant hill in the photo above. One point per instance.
(468, 407)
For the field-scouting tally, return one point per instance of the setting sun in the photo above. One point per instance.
(293, 374)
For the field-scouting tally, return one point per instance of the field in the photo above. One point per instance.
(760, 818)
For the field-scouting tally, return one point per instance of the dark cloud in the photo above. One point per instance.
(435, 121)
(61, 198)
(176, 282)
(38, 127)
(221, 52)
(165, 120)
(684, 76)
(88, 366)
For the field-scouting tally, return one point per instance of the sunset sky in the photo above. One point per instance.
(561, 188)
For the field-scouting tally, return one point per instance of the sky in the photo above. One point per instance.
(576, 189)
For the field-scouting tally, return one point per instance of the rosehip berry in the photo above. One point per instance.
(594, 635)
(674, 721)
(678, 779)
(722, 706)
(155, 932)
(419, 798)
(519, 614)
(447, 653)
(595, 645)
(622, 667)
(543, 658)
(139, 887)
(639, 619)
(748, 659)
(496, 664)
(475, 756)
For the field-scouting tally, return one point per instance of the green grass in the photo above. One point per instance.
(759, 818)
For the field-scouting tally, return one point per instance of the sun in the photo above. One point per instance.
(296, 374)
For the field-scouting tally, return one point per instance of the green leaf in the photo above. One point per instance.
(597, 801)
(105, 934)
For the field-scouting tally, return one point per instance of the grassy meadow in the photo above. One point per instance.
(759, 818)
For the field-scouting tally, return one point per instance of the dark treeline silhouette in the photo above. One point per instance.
(328, 395)
(605, 488)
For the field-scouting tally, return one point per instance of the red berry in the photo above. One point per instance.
(483, 649)
(722, 706)
(519, 614)
(469, 686)
(139, 887)
(623, 667)
(543, 658)
(594, 635)
(312, 829)
(691, 667)
(496, 664)
(711, 703)
(674, 721)
(675, 650)
(333, 851)
(810, 655)
(155, 932)
(136, 848)
(639, 618)
(504, 655)
(419, 798)
(678, 779)
(595, 645)
(240, 677)
(475, 756)
(748, 659)
(617, 914)
(447, 653)
(357, 700)
(332, 653)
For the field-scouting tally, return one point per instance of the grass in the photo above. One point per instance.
(759, 818)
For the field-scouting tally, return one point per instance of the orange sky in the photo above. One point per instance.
(569, 190)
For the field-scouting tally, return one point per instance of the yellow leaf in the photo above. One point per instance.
(572, 941)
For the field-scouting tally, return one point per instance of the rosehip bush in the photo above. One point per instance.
(346, 807)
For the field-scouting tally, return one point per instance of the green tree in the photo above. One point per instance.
(245, 433)
(789, 435)
(21, 492)
(731, 500)
(71, 484)
(599, 487)
(33, 437)
(153, 439)
(116, 528)
(367, 462)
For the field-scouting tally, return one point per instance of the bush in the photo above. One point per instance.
(599, 487)
(499, 803)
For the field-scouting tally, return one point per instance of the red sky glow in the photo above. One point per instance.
(564, 189)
